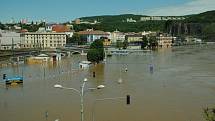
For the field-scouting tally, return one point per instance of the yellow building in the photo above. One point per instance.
(134, 38)
(43, 40)
(106, 42)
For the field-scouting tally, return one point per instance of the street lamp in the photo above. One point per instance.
(128, 102)
(81, 94)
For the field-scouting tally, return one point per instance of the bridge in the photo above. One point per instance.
(113, 50)
(75, 50)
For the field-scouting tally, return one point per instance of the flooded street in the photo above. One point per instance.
(180, 85)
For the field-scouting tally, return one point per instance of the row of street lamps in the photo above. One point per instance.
(82, 92)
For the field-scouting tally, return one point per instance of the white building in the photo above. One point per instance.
(159, 18)
(91, 35)
(9, 40)
(144, 33)
(130, 20)
(43, 40)
(84, 64)
(116, 35)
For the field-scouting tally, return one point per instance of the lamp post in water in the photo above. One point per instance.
(128, 102)
(81, 94)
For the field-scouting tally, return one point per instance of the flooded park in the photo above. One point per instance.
(166, 85)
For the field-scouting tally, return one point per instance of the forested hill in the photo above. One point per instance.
(206, 17)
(200, 25)
(112, 18)
(112, 22)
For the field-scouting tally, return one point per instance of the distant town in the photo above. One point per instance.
(24, 34)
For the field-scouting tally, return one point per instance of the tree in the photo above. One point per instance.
(144, 42)
(119, 44)
(96, 52)
(97, 44)
(153, 42)
(209, 114)
(76, 39)
(125, 44)
(2, 26)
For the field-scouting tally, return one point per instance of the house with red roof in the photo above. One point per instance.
(62, 29)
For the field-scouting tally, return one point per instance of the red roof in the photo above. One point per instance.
(23, 30)
(60, 28)
(92, 33)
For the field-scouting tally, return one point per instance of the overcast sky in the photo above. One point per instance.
(66, 10)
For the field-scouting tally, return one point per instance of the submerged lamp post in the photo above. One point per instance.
(128, 102)
(81, 94)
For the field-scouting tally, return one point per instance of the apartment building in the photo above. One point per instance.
(43, 40)
(117, 36)
(161, 18)
(165, 41)
(133, 38)
(9, 40)
(91, 35)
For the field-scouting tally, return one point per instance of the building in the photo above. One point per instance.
(161, 18)
(130, 20)
(63, 29)
(43, 40)
(165, 41)
(106, 42)
(91, 35)
(116, 36)
(77, 21)
(134, 38)
(84, 64)
(9, 40)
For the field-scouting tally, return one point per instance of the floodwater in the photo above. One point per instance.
(166, 85)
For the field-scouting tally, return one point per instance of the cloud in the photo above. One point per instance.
(192, 7)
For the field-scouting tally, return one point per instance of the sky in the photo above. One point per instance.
(67, 10)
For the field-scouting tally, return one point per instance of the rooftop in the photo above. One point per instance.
(97, 32)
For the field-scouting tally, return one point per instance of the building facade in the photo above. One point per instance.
(116, 36)
(43, 40)
(165, 41)
(9, 40)
(133, 38)
(161, 18)
(91, 35)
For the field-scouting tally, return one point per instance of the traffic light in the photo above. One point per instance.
(4, 76)
(128, 101)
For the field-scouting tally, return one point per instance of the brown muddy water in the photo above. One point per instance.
(181, 85)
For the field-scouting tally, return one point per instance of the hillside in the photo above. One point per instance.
(200, 25)
(206, 17)
(113, 22)
(111, 18)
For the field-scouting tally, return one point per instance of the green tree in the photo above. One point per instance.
(2, 26)
(144, 42)
(77, 39)
(153, 43)
(96, 52)
(125, 44)
(97, 44)
(209, 114)
(119, 44)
